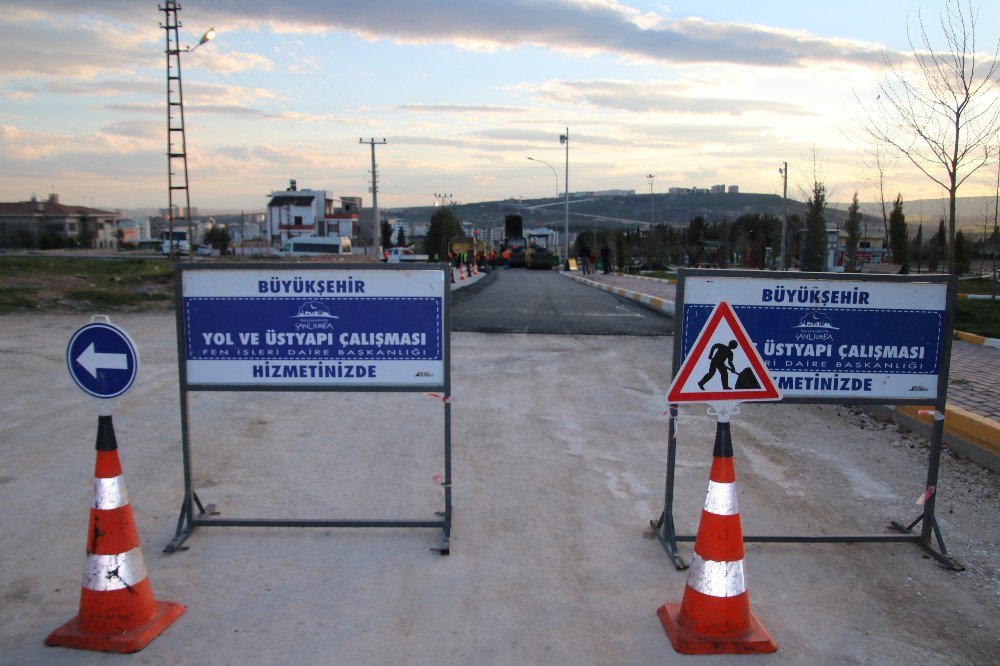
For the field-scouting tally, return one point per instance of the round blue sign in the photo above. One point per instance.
(102, 360)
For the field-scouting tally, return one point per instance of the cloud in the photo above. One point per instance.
(651, 97)
(577, 26)
(51, 48)
(135, 129)
(459, 108)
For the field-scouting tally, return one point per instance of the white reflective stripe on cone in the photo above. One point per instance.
(114, 572)
(717, 579)
(110, 493)
(721, 499)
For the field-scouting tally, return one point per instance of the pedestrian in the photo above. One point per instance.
(606, 258)
(506, 259)
(584, 256)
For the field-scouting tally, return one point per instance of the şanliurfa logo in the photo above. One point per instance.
(313, 316)
(815, 326)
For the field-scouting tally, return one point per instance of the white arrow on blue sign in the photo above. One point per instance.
(102, 360)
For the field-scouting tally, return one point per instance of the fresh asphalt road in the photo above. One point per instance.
(523, 301)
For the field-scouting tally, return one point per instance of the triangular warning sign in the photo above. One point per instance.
(723, 366)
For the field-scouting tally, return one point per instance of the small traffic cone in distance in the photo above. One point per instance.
(714, 616)
(117, 609)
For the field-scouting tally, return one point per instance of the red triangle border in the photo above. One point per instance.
(767, 391)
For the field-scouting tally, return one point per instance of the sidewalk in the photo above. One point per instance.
(972, 418)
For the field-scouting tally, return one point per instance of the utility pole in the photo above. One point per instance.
(564, 138)
(993, 240)
(175, 126)
(375, 215)
(784, 223)
(649, 178)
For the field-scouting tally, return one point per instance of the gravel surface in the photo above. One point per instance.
(559, 455)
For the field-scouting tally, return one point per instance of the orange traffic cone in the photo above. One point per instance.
(714, 616)
(117, 609)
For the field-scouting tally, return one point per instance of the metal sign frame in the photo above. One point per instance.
(664, 528)
(189, 520)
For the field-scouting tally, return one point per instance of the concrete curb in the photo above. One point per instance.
(974, 436)
(653, 302)
(974, 339)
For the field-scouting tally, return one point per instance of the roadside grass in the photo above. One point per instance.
(18, 298)
(978, 316)
(109, 298)
(979, 286)
(40, 283)
(125, 270)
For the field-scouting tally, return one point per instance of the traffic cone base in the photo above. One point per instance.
(72, 635)
(755, 641)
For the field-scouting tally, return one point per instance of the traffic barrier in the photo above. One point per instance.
(117, 609)
(714, 616)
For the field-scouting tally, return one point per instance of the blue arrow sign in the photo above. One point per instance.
(102, 360)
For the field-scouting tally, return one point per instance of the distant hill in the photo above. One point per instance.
(971, 212)
(678, 210)
(616, 211)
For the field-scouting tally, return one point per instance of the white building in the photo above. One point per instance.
(294, 212)
(397, 223)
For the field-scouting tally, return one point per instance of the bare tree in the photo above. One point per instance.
(939, 109)
(879, 166)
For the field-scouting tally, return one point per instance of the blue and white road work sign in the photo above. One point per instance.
(832, 338)
(304, 326)
(102, 360)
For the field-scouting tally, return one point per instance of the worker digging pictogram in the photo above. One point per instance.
(725, 362)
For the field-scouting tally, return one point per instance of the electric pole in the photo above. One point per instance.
(784, 223)
(649, 178)
(375, 215)
(564, 139)
(177, 154)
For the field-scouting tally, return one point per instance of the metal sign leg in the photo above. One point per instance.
(663, 528)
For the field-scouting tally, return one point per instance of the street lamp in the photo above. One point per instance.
(784, 223)
(207, 37)
(553, 173)
(649, 179)
(564, 139)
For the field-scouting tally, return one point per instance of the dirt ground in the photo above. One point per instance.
(559, 450)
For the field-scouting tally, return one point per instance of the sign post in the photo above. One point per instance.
(830, 339)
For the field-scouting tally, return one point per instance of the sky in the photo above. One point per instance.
(462, 91)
